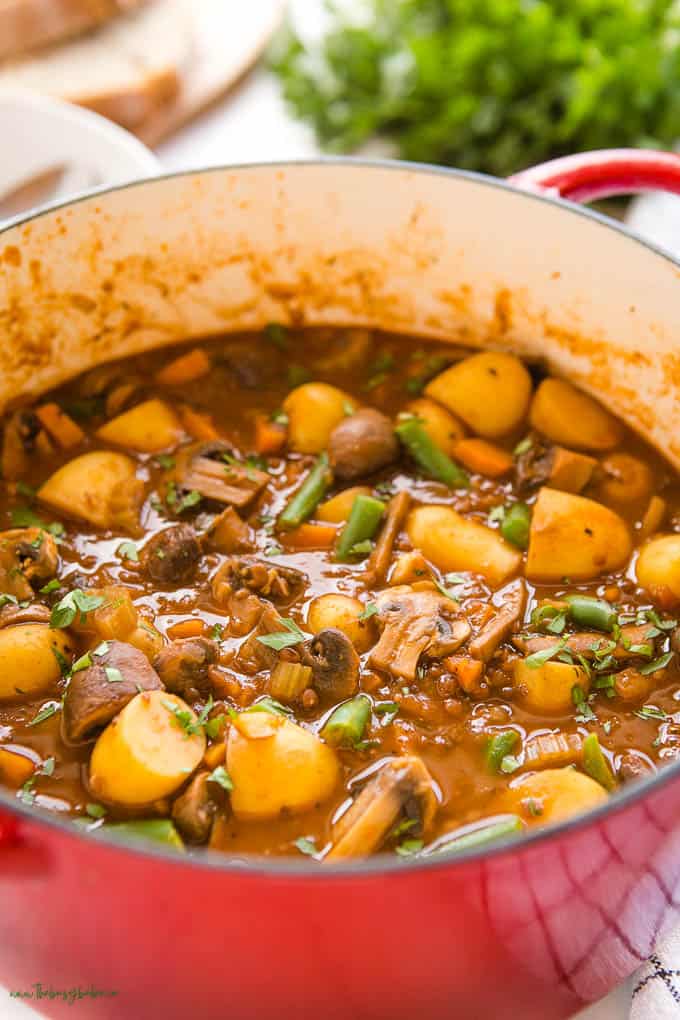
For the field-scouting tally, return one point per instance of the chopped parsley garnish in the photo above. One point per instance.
(222, 778)
(113, 675)
(660, 663)
(188, 500)
(409, 847)
(370, 610)
(267, 704)
(95, 811)
(24, 517)
(82, 663)
(217, 631)
(523, 446)
(509, 764)
(46, 712)
(651, 712)
(166, 461)
(538, 659)
(128, 551)
(51, 586)
(292, 635)
(584, 711)
(65, 611)
(279, 418)
(306, 846)
(361, 548)
(26, 793)
(388, 709)
(447, 592)
(192, 724)
(6, 600)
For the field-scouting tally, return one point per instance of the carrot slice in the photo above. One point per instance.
(186, 628)
(482, 457)
(185, 369)
(198, 425)
(61, 428)
(269, 437)
(310, 536)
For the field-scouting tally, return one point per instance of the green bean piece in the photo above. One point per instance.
(498, 746)
(346, 725)
(308, 496)
(156, 830)
(362, 524)
(516, 524)
(587, 611)
(595, 763)
(429, 456)
(512, 825)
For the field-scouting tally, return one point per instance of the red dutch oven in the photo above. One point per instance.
(532, 930)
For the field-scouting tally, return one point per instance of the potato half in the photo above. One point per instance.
(548, 688)
(100, 487)
(574, 537)
(148, 428)
(453, 543)
(555, 794)
(28, 659)
(572, 418)
(277, 766)
(314, 409)
(490, 392)
(658, 569)
(145, 753)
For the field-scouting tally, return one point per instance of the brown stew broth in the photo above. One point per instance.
(449, 729)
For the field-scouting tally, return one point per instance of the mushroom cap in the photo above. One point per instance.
(361, 444)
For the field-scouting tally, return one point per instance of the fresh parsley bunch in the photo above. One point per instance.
(492, 85)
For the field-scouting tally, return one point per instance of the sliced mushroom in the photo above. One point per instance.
(361, 444)
(100, 691)
(35, 613)
(229, 533)
(273, 581)
(484, 645)
(172, 555)
(334, 663)
(23, 437)
(209, 469)
(588, 643)
(544, 463)
(415, 623)
(193, 812)
(402, 788)
(28, 558)
(379, 560)
(183, 666)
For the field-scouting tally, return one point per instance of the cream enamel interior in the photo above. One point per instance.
(401, 248)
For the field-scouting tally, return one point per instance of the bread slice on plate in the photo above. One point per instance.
(31, 24)
(124, 70)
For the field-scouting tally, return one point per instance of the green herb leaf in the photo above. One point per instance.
(409, 847)
(46, 712)
(96, 811)
(51, 586)
(660, 663)
(113, 675)
(523, 446)
(538, 659)
(370, 610)
(267, 704)
(292, 635)
(77, 601)
(651, 712)
(6, 600)
(389, 710)
(128, 551)
(222, 778)
(166, 462)
(306, 846)
(217, 632)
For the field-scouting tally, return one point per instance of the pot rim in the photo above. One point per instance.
(380, 865)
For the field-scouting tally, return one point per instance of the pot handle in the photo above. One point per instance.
(602, 174)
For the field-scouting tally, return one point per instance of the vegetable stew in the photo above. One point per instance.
(332, 593)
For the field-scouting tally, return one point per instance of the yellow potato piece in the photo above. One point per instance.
(277, 767)
(574, 537)
(148, 428)
(145, 754)
(658, 569)
(28, 663)
(443, 429)
(342, 612)
(337, 509)
(453, 543)
(572, 418)
(554, 795)
(101, 488)
(490, 392)
(547, 688)
(314, 409)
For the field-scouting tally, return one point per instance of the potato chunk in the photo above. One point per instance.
(148, 428)
(627, 479)
(277, 766)
(555, 794)
(145, 753)
(490, 392)
(574, 537)
(443, 429)
(342, 612)
(314, 409)
(453, 543)
(572, 418)
(28, 663)
(101, 488)
(547, 688)
(658, 569)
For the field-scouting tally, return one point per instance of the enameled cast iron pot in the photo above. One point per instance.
(532, 931)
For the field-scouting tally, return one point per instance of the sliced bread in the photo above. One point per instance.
(124, 70)
(31, 24)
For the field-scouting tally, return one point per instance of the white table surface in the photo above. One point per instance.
(253, 125)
